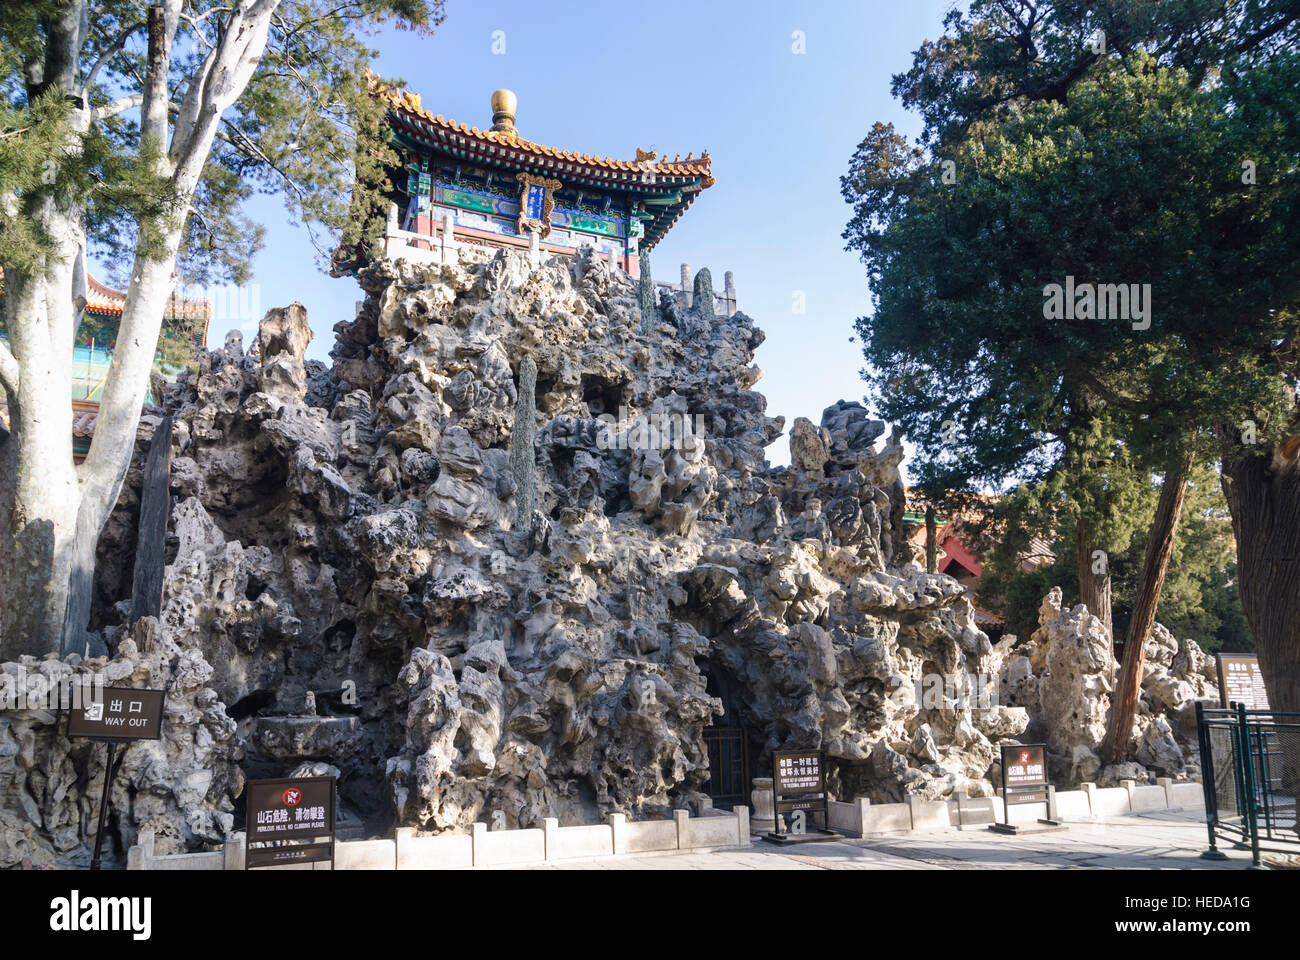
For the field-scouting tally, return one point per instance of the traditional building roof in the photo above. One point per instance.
(961, 555)
(92, 360)
(666, 187)
(104, 301)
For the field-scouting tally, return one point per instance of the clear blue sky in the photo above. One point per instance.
(673, 76)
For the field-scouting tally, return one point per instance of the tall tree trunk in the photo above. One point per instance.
(1263, 493)
(8, 478)
(931, 541)
(58, 510)
(1094, 587)
(42, 318)
(1119, 731)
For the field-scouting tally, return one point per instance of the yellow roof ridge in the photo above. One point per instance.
(410, 102)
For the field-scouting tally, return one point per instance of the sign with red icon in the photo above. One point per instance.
(1024, 781)
(290, 821)
(1024, 773)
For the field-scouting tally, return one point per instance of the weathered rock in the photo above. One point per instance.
(1063, 677)
(370, 534)
(183, 786)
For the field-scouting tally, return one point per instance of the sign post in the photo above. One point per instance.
(114, 715)
(799, 788)
(1024, 780)
(1240, 681)
(281, 812)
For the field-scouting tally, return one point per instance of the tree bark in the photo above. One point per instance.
(1119, 730)
(42, 320)
(8, 477)
(931, 541)
(1094, 588)
(54, 510)
(1263, 493)
(151, 543)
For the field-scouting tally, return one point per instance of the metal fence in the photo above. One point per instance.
(1250, 771)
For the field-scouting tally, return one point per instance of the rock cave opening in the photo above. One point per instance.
(602, 395)
(542, 391)
(734, 748)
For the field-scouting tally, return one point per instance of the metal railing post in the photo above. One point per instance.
(1265, 792)
(1208, 785)
(1248, 772)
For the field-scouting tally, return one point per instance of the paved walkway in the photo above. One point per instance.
(1165, 840)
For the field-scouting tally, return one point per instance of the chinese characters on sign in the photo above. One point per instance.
(279, 820)
(119, 713)
(536, 201)
(800, 773)
(534, 195)
(283, 810)
(1024, 771)
(1240, 681)
(115, 714)
(799, 783)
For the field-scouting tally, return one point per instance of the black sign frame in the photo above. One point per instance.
(282, 850)
(74, 728)
(81, 727)
(787, 799)
(1023, 791)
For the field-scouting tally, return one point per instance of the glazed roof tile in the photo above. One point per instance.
(409, 103)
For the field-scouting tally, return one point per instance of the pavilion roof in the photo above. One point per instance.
(676, 182)
(104, 300)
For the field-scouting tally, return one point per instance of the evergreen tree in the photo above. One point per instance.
(1054, 157)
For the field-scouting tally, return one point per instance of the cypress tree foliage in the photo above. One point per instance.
(362, 231)
(646, 296)
(523, 464)
(1158, 162)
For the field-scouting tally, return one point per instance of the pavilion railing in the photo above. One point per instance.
(1250, 771)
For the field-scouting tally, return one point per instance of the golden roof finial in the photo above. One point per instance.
(504, 103)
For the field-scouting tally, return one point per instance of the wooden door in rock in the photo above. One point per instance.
(728, 766)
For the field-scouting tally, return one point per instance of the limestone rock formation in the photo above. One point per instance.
(1064, 677)
(183, 787)
(352, 584)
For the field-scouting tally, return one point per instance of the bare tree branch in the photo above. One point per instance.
(114, 48)
(120, 105)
